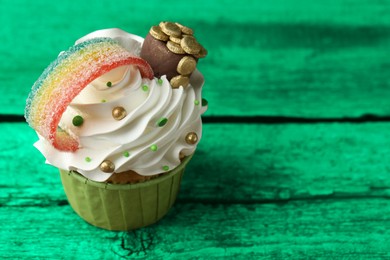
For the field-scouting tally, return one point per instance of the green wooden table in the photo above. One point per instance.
(295, 158)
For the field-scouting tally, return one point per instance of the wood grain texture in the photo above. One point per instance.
(252, 191)
(336, 229)
(268, 163)
(284, 54)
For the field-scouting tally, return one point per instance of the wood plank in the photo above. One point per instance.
(331, 229)
(313, 61)
(234, 164)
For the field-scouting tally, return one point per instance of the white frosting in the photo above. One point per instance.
(101, 137)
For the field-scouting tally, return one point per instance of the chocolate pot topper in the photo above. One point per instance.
(172, 50)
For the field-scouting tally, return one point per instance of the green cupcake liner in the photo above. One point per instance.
(122, 206)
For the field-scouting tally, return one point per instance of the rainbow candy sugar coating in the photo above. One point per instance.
(66, 77)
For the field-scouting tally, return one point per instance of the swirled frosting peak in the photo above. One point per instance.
(124, 122)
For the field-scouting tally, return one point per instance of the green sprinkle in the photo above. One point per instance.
(77, 121)
(162, 121)
(126, 154)
(104, 101)
(109, 84)
(153, 147)
(88, 159)
(204, 102)
(145, 88)
(160, 81)
(165, 168)
(196, 102)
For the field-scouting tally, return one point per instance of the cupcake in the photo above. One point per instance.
(120, 117)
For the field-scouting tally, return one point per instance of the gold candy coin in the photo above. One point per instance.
(186, 65)
(175, 39)
(202, 53)
(170, 29)
(156, 33)
(161, 23)
(175, 48)
(191, 138)
(190, 45)
(107, 166)
(118, 113)
(179, 80)
(185, 29)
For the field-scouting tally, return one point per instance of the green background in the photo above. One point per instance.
(294, 159)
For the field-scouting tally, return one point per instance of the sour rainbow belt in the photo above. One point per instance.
(66, 77)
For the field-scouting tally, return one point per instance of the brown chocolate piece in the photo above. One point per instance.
(172, 50)
(160, 58)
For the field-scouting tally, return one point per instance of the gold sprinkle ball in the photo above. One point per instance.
(158, 34)
(107, 166)
(190, 45)
(186, 65)
(185, 29)
(118, 113)
(191, 138)
(179, 80)
(175, 48)
(170, 29)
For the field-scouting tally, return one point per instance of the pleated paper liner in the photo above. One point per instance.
(122, 206)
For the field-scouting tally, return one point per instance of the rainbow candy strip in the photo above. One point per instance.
(66, 77)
